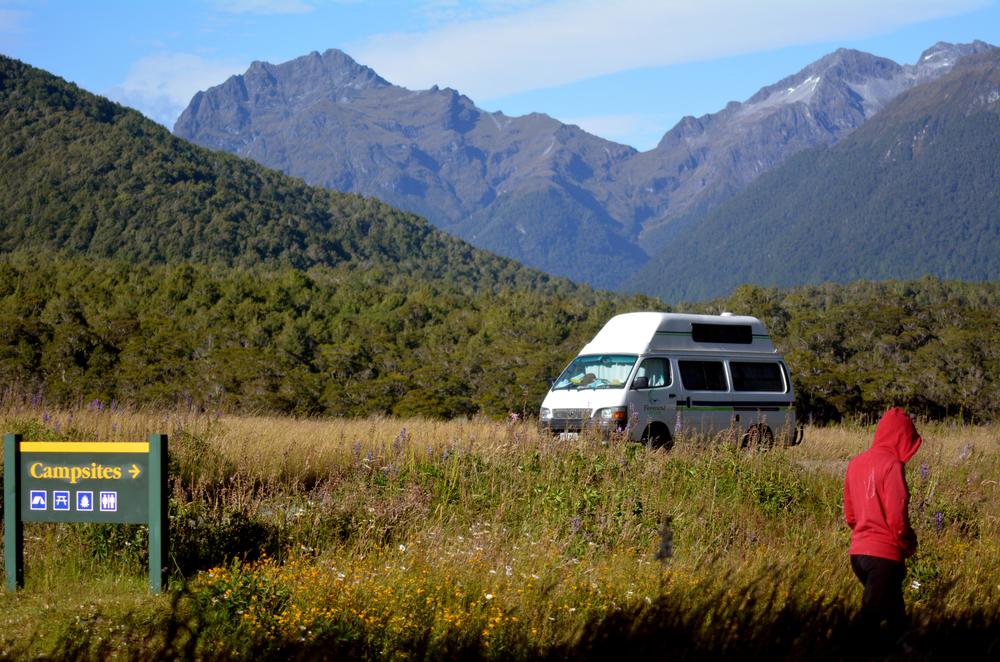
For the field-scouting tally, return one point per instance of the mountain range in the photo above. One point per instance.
(912, 192)
(82, 174)
(531, 187)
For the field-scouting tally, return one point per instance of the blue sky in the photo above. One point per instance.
(626, 70)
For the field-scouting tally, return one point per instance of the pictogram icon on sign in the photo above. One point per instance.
(60, 500)
(38, 501)
(85, 501)
(109, 502)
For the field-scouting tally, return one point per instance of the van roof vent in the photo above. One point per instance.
(725, 314)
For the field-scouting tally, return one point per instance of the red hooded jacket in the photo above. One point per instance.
(876, 498)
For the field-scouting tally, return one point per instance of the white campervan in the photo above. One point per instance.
(657, 375)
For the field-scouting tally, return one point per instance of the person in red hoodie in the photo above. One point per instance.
(876, 506)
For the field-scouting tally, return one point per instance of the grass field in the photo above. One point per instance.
(414, 539)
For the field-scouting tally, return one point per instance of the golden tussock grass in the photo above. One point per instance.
(479, 538)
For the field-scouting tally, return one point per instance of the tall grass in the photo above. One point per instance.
(421, 539)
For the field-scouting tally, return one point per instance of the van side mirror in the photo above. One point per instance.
(640, 382)
(552, 380)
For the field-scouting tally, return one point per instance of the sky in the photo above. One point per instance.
(627, 70)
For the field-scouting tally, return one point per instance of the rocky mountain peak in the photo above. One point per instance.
(941, 57)
(529, 187)
(987, 57)
(333, 74)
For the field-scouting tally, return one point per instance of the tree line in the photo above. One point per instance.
(355, 342)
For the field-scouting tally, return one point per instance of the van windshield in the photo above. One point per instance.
(594, 372)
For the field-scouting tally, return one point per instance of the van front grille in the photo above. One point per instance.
(572, 414)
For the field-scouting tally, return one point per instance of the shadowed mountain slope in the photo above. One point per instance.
(80, 173)
(912, 192)
(531, 187)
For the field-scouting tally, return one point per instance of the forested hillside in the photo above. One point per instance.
(136, 267)
(912, 192)
(81, 173)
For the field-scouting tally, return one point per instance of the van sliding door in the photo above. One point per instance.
(705, 405)
(653, 404)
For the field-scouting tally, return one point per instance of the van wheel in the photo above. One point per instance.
(656, 435)
(758, 435)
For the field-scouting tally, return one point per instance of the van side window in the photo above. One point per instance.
(703, 375)
(765, 377)
(657, 371)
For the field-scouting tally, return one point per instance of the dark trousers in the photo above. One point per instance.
(883, 596)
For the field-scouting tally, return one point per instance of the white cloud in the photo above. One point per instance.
(11, 21)
(161, 85)
(570, 40)
(643, 132)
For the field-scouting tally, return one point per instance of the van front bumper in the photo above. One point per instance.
(560, 422)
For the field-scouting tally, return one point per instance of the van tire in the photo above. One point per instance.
(657, 435)
(758, 435)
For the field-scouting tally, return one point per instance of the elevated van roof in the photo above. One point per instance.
(643, 333)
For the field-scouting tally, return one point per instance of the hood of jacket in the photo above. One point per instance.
(896, 433)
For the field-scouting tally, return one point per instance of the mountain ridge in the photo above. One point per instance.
(530, 187)
(81, 173)
(917, 182)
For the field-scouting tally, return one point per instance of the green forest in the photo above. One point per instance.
(349, 342)
(336, 341)
(136, 267)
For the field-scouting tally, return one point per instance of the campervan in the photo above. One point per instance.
(656, 376)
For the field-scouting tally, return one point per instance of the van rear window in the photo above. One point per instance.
(703, 375)
(736, 334)
(765, 377)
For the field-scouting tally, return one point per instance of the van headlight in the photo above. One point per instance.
(615, 414)
(544, 413)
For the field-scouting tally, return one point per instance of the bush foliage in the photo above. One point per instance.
(346, 342)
